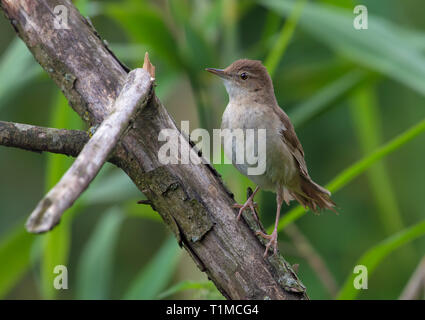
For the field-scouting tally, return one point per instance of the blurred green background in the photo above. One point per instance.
(356, 98)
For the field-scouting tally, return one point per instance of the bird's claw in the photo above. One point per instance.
(272, 241)
(249, 203)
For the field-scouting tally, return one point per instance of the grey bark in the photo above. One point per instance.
(39, 139)
(131, 100)
(191, 199)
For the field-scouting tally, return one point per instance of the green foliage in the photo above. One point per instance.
(373, 48)
(207, 286)
(365, 114)
(15, 257)
(319, 62)
(155, 276)
(17, 68)
(95, 268)
(57, 243)
(139, 20)
(327, 97)
(110, 187)
(377, 253)
(285, 35)
(350, 173)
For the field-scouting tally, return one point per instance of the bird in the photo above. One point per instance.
(253, 105)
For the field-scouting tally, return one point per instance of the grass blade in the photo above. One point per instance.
(15, 249)
(353, 171)
(96, 260)
(156, 275)
(17, 67)
(138, 19)
(376, 254)
(365, 114)
(285, 36)
(57, 242)
(187, 285)
(373, 48)
(111, 187)
(327, 97)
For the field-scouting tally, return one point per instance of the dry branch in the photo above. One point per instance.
(191, 199)
(416, 283)
(39, 139)
(42, 139)
(132, 98)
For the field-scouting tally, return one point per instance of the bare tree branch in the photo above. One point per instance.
(191, 199)
(132, 98)
(39, 139)
(42, 139)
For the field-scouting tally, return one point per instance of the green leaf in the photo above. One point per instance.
(229, 19)
(235, 181)
(373, 257)
(380, 47)
(156, 275)
(198, 53)
(144, 211)
(145, 25)
(271, 27)
(17, 67)
(56, 243)
(15, 249)
(96, 260)
(84, 6)
(187, 285)
(365, 115)
(285, 36)
(353, 171)
(180, 11)
(111, 187)
(132, 52)
(327, 97)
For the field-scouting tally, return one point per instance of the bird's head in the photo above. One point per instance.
(246, 79)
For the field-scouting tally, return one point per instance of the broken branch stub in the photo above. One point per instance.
(227, 250)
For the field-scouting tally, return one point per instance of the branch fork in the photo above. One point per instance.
(191, 199)
(132, 99)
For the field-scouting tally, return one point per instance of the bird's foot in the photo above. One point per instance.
(272, 241)
(248, 204)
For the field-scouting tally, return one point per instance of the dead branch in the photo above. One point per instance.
(132, 98)
(191, 199)
(39, 139)
(415, 284)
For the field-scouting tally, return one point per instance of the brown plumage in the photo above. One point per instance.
(310, 193)
(253, 105)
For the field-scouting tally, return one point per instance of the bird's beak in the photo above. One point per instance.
(219, 72)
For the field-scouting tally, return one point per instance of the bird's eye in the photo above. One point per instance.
(244, 76)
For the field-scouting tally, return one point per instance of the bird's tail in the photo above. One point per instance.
(313, 196)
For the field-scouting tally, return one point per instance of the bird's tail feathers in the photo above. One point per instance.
(313, 196)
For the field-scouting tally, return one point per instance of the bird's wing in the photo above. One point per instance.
(291, 140)
(310, 194)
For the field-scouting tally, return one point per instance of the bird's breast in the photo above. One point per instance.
(243, 115)
(278, 159)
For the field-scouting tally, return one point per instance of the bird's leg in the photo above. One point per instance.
(249, 203)
(273, 237)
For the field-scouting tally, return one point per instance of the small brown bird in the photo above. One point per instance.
(252, 105)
